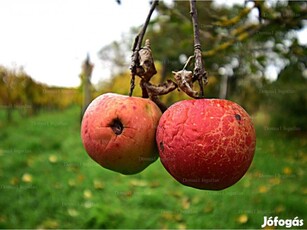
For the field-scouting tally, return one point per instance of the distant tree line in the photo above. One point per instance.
(18, 91)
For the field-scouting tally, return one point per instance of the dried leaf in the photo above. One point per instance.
(138, 183)
(184, 79)
(263, 189)
(185, 203)
(242, 219)
(87, 194)
(147, 66)
(181, 226)
(275, 181)
(14, 181)
(49, 223)
(279, 209)
(27, 178)
(53, 158)
(72, 212)
(98, 185)
(287, 170)
(72, 183)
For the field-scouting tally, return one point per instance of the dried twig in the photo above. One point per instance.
(137, 47)
(200, 73)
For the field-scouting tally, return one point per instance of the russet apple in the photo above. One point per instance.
(118, 132)
(206, 143)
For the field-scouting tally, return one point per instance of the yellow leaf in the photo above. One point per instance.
(263, 189)
(98, 184)
(208, 209)
(72, 183)
(72, 212)
(138, 183)
(53, 158)
(49, 223)
(185, 203)
(279, 209)
(27, 178)
(171, 216)
(181, 226)
(14, 181)
(287, 170)
(275, 181)
(87, 194)
(242, 219)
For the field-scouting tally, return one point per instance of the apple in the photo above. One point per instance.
(118, 132)
(206, 143)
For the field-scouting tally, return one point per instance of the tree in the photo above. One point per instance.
(233, 43)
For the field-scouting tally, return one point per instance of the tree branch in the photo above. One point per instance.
(199, 70)
(137, 46)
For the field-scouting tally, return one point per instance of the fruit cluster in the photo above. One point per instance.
(202, 143)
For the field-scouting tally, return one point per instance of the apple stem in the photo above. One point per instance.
(137, 47)
(200, 73)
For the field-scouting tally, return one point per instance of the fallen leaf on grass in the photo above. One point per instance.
(171, 216)
(176, 194)
(138, 183)
(27, 178)
(279, 209)
(208, 209)
(72, 183)
(242, 219)
(53, 158)
(14, 181)
(2, 219)
(263, 189)
(72, 212)
(98, 184)
(49, 223)
(185, 203)
(154, 184)
(87, 194)
(181, 226)
(275, 181)
(287, 170)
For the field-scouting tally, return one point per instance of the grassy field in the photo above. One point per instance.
(48, 181)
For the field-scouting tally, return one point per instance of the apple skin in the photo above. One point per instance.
(118, 132)
(206, 143)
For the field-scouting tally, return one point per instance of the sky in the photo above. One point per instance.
(51, 38)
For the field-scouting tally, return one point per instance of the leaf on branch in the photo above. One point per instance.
(146, 66)
(184, 79)
(161, 89)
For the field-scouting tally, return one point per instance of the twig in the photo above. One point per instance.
(199, 70)
(137, 46)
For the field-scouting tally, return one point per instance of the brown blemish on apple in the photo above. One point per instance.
(238, 117)
(161, 146)
(117, 126)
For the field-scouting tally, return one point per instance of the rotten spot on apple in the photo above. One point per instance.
(117, 131)
(117, 126)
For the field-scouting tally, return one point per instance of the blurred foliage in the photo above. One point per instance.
(287, 97)
(235, 43)
(18, 91)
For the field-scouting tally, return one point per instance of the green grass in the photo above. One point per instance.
(48, 181)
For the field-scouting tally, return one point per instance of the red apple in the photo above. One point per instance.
(118, 132)
(206, 143)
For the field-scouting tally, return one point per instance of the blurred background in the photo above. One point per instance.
(57, 56)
